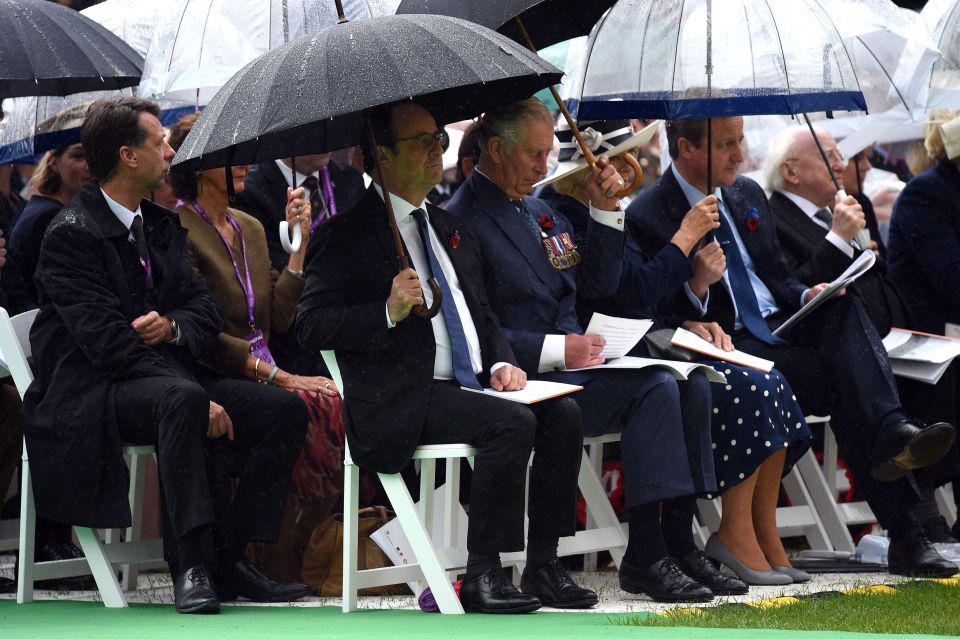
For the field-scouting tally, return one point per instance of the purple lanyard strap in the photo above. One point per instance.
(329, 204)
(245, 284)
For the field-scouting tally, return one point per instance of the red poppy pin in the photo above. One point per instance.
(753, 219)
(545, 221)
(454, 238)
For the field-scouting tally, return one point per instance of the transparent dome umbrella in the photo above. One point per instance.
(310, 95)
(48, 49)
(535, 24)
(942, 18)
(674, 59)
(199, 44)
(133, 21)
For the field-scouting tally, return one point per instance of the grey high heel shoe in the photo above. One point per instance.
(717, 550)
(798, 576)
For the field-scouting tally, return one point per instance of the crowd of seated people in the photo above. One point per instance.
(195, 331)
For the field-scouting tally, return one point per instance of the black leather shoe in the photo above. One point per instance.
(937, 532)
(243, 579)
(911, 554)
(698, 566)
(553, 587)
(193, 592)
(662, 581)
(903, 446)
(492, 592)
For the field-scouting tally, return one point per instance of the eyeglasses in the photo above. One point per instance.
(834, 155)
(426, 140)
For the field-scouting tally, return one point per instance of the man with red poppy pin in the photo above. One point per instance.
(405, 378)
(834, 359)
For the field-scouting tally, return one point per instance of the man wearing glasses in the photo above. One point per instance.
(404, 376)
(833, 359)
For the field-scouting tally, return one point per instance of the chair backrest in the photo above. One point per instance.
(330, 359)
(15, 346)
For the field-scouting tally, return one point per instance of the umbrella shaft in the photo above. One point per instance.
(823, 154)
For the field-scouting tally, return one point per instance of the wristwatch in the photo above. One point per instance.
(174, 330)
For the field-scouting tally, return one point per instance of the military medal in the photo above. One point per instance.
(561, 250)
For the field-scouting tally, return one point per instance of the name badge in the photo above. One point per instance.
(259, 348)
(561, 250)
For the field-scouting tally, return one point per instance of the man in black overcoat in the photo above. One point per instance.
(403, 375)
(123, 322)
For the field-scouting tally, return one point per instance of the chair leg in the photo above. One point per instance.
(351, 503)
(100, 567)
(28, 524)
(806, 483)
(595, 456)
(421, 544)
(598, 505)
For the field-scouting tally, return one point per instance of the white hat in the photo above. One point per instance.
(607, 137)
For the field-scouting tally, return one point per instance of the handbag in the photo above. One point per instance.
(659, 344)
(323, 558)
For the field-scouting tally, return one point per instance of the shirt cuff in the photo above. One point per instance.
(613, 219)
(837, 241)
(497, 366)
(700, 305)
(390, 324)
(552, 356)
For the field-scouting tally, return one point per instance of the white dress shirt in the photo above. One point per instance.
(125, 215)
(410, 232)
(288, 176)
(810, 210)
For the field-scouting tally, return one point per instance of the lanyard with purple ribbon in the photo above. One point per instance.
(258, 345)
(329, 204)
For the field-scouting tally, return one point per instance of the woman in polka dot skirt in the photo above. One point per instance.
(758, 428)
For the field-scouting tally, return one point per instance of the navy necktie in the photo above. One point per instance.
(317, 205)
(136, 229)
(528, 219)
(825, 216)
(743, 293)
(462, 367)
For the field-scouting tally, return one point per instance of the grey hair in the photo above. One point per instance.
(508, 122)
(780, 149)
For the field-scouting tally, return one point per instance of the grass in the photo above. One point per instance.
(921, 607)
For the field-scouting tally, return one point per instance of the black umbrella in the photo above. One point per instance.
(549, 21)
(48, 49)
(534, 24)
(310, 95)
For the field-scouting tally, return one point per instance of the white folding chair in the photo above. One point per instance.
(946, 503)
(434, 566)
(15, 349)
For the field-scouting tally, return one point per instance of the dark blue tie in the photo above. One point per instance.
(743, 293)
(462, 367)
(531, 223)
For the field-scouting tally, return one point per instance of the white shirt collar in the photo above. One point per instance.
(401, 208)
(125, 215)
(805, 205)
(288, 174)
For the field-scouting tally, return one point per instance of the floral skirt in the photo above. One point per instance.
(318, 472)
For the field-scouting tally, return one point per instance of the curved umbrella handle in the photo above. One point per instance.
(637, 175)
(290, 245)
(421, 310)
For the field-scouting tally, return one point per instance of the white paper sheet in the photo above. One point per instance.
(537, 390)
(685, 339)
(622, 334)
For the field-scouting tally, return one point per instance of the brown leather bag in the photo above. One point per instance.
(323, 558)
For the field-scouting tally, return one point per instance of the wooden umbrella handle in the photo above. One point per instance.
(637, 174)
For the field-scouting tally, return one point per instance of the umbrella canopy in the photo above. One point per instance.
(309, 96)
(199, 44)
(696, 58)
(133, 21)
(548, 21)
(942, 18)
(48, 49)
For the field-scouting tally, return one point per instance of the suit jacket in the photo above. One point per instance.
(387, 373)
(91, 287)
(265, 197)
(813, 259)
(655, 215)
(531, 297)
(924, 246)
(23, 253)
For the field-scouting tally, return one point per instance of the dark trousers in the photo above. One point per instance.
(504, 434)
(665, 430)
(838, 366)
(238, 487)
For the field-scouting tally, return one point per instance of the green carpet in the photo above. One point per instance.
(82, 620)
